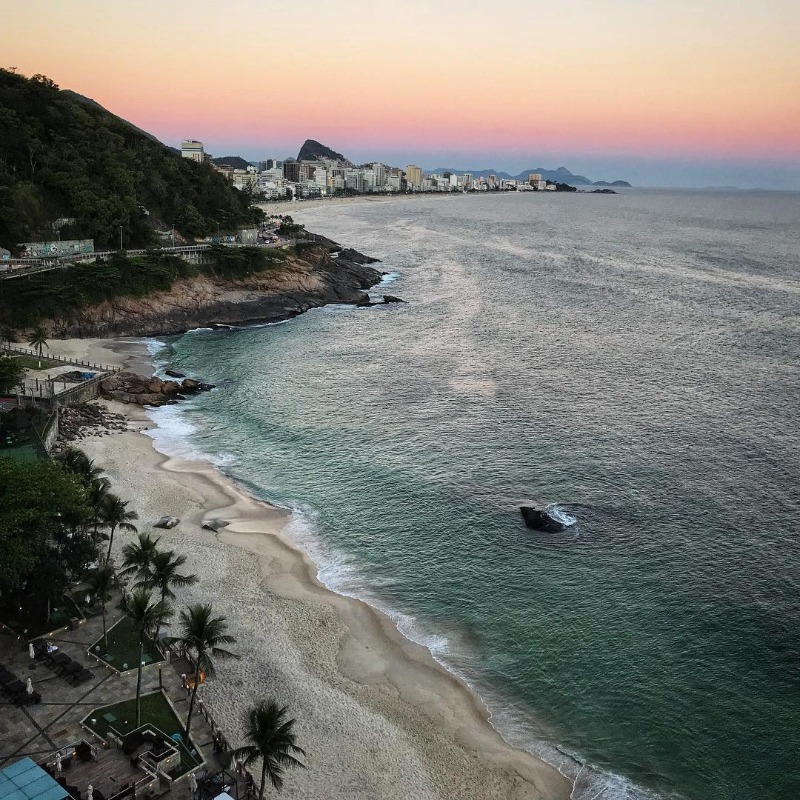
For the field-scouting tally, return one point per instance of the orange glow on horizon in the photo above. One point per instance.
(663, 81)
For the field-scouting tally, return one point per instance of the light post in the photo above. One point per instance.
(173, 235)
(120, 238)
(218, 231)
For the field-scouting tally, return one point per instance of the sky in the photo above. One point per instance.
(659, 92)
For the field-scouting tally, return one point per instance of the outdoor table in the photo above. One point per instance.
(16, 687)
(73, 666)
(6, 677)
(61, 659)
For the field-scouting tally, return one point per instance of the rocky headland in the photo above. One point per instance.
(320, 272)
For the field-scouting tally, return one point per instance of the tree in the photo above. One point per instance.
(12, 373)
(114, 514)
(273, 741)
(36, 498)
(100, 582)
(38, 341)
(8, 335)
(201, 638)
(162, 574)
(136, 556)
(77, 462)
(146, 617)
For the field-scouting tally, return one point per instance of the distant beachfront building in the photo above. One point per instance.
(414, 177)
(191, 148)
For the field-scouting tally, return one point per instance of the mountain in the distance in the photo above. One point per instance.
(237, 162)
(560, 175)
(313, 150)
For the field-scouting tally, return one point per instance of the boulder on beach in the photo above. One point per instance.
(390, 298)
(541, 519)
(214, 524)
(166, 522)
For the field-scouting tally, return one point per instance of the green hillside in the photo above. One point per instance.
(62, 157)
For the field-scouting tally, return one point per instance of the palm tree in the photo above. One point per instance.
(162, 574)
(100, 582)
(146, 617)
(201, 638)
(96, 494)
(273, 741)
(136, 556)
(114, 514)
(77, 462)
(38, 341)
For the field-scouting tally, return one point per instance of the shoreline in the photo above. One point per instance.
(406, 724)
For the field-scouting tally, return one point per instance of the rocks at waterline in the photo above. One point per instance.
(539, 519)
(365, 300)
(173, 374)
(127, 387)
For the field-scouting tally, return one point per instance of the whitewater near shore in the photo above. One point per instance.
(377, 715)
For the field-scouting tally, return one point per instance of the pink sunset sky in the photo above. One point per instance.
(667, 93)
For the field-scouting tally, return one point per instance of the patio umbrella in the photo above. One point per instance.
(89, 792)
(58, 762)
(31, 651)
(29, 686)
(192, 783)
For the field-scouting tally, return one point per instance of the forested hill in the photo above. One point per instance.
(63, 158)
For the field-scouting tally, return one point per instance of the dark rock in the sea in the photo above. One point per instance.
(539, 520)
(219, 326)
(173, 374)
(128, 387)
(390, 298)
(363, 300)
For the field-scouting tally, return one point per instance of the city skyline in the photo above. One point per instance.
(669, 95)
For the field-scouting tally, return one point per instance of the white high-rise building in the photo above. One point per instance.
(191, 148)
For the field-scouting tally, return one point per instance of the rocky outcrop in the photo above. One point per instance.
(127, 387)
(76, 422)
(306, 280)
(539, 519)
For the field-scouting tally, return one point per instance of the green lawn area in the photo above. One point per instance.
(156, 711)
(121, 650)
(32, 362)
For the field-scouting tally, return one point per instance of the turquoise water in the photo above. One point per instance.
(633, 358)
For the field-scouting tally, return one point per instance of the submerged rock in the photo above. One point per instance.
(540, 519)
(390, 298)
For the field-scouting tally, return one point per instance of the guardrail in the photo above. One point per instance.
(12, 267)
(60, 359)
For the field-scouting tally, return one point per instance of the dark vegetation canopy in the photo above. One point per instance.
(59, 294)
(42, 503)
(62, 158)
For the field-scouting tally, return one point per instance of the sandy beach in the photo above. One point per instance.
(377, 715)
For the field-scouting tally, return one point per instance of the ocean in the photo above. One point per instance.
(632, 358)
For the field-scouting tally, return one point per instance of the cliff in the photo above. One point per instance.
(313, 278)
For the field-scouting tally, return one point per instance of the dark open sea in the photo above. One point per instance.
(633, 358)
